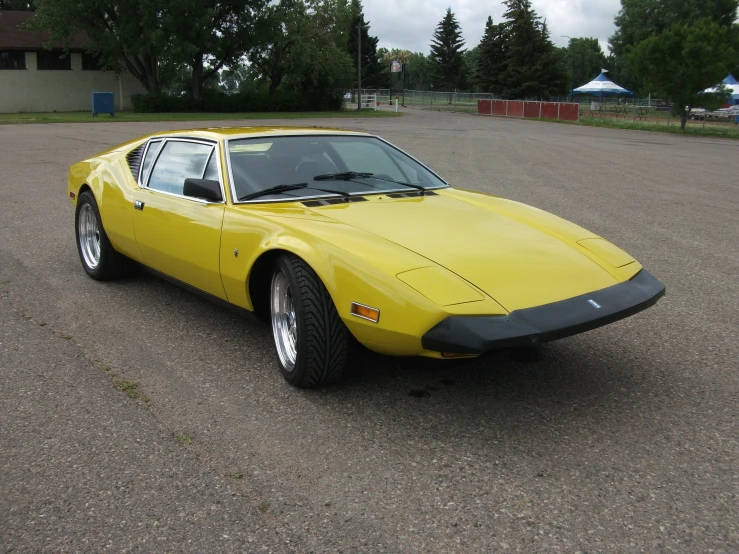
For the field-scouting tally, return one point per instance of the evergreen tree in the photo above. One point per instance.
(533, 68)
(374, 72)
(446, 58)
(491, 59)
(551, 67)
(469, 61)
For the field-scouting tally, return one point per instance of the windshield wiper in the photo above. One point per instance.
(412, 185)
(285, 188)
(273, 190)
(349, 175)
(345, 176)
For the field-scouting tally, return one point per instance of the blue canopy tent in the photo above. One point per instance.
(602, 86)
(733, 85)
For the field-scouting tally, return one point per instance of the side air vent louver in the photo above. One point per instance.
(134, 160)
(331, 201)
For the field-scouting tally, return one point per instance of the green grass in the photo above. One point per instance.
(86, 117)
(129, 387)
(263, 507)
(693, 128)
(184, 439)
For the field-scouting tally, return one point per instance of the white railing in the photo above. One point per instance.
(369, 101)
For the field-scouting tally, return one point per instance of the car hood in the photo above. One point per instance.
(517, 255)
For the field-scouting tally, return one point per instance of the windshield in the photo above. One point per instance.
(347, 164)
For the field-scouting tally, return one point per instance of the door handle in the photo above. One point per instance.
(138, 205)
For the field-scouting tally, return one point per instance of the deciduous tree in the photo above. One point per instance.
(585, 59)
(17, 5)
(637, 20)
(679, 63)
(209, 35)
(127, 34)
(303, 42)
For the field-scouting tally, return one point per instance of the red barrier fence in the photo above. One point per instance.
(549, 110)
(515, 108)
(530, 110)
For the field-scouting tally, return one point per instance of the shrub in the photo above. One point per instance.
(283, 100)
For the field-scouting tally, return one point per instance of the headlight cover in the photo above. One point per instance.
(607, 251)
(440, 286)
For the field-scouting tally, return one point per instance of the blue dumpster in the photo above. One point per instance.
(103, 102)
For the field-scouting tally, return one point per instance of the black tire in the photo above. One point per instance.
(110, 264)
(322, 338)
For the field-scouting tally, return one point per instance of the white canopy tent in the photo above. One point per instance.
(602, 86)
(733, 85)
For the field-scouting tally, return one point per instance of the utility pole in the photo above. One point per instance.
(404, 84)
(359, 66)
(572, 68)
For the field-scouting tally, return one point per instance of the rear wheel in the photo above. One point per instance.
(309, 336)
(97, 255)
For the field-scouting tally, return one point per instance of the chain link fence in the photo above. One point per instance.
(639, 108)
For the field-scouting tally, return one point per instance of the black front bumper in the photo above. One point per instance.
(478, 334)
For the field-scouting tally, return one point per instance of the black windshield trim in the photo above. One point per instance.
(281, 189)
(320, 196)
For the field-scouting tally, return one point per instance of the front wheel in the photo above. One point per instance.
(310, 338)
(97, 255)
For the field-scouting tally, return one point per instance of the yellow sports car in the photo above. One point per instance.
(331, 234)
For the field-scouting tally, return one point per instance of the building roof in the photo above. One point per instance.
(14, 37)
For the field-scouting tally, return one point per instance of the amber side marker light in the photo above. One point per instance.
(366, 312)
(71, 194)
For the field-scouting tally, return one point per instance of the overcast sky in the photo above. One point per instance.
(410, 24)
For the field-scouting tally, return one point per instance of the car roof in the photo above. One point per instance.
(215, 133)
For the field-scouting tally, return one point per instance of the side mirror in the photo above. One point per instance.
(203, 188)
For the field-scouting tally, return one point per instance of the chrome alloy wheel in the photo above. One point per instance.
(284, 321)
(88, 235)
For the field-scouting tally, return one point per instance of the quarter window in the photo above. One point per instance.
(151, 155)
(177, 162)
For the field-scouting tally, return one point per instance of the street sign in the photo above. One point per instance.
(396, 67)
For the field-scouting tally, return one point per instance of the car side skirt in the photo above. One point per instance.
(530, 326)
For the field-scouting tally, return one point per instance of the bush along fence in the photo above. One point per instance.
(565, 111)
(284, 100)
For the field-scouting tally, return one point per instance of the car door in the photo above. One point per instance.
(177, 235)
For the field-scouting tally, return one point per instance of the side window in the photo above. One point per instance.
(363, 156)
(211, 170)
(151, 154)
(177, 162)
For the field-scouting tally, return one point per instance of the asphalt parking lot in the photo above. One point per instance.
(623, 439)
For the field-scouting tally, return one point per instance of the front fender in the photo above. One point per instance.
(113, 186)
(354, 265)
